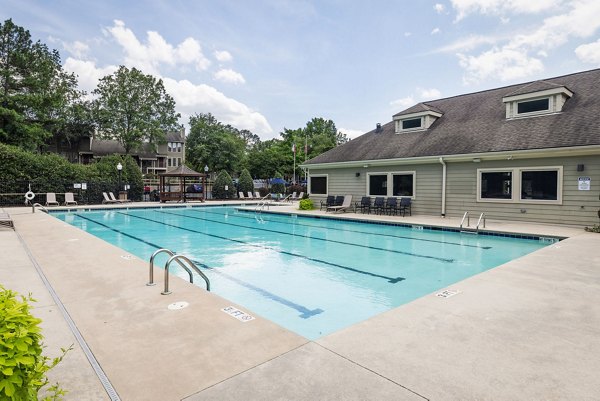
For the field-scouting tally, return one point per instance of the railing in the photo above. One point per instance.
(261, 205)
(34, 205)
(465, 216)
(479, 221)
(482, 216)
(177, 258)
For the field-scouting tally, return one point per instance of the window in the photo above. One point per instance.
(378, 185)
(496, 185)
(318, 185)
(403, 184)
(541, 185)
(411, 123)
(533, 106)
(179, 146)
(531, 185)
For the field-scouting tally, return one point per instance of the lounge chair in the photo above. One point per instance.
(405, 204)
(112, 197)
(291, 197)
(107, 199)
(330, 201)
(241, 195)
(391, 205)
(69, 199)
(257, 195)
(364, 205)
(6, 220)
(51, 199)
(300, 196)
(250, 195)
(379, 204)
(346, 204)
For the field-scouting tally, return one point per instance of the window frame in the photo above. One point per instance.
(533, 113)
(309, 186)
(516, 194)
(390, 183)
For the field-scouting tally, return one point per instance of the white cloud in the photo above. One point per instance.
(501, 7)
(229, 76)
(429, 94)
(589, 53)
(435, 30)
(148, 57)
(87, 72)
(404, 102)
(439, 8)
(351, 133)
(468, 44)
(191, 98)
(223, 55)
(504, 63)
(76, 49)
(520, 55)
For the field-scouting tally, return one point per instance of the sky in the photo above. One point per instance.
(274, 64)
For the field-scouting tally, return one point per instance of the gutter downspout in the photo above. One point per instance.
(443, 186)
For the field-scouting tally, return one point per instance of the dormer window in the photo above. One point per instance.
(533, 106)
(537, 98)
(412, 123)
(416, 118)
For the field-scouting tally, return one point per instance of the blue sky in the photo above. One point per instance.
(266, 65)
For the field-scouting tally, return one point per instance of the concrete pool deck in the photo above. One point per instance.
(527, 330)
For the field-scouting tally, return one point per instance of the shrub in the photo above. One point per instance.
(296, 188)
(246, 183)
(222, 180)
(594, 229)
(306, 204)
(22, 366)
(278, 188)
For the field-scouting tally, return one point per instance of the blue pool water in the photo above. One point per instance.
(313, 276)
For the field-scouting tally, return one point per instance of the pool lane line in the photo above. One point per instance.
(352, 231)
(305, 313)
(311, 237)
(392, 280)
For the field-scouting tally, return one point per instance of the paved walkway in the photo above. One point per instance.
(527, 330)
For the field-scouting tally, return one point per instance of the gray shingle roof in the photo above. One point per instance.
(476, 123)
(536, 86)
(104, 147)
(418, 108)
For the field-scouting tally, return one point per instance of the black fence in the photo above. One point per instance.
(14, 193)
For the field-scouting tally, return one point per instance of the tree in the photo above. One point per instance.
(223, 180)
(36, 96)
(278, 188)
(214, 144)
(246, 184)
(134, 108)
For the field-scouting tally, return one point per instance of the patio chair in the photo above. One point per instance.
(338, 200)
(257, 195)
(379, 204)
(115, 200)
(391, 205)
(405, 204)
(241, 195)
(51, 199)
(6, 220)
(292, 197)
(107, 199)
(364, 205)
(70, 199)
(300, 196)
(250, 195)
(346, 204)
(330, 201)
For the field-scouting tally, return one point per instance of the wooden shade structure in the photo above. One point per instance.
(182, 173)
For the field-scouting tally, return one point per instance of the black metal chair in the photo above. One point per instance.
(328, 202)
(379, 204)
(405, 205)
(363, 205)
(339, 200)
(391, 206)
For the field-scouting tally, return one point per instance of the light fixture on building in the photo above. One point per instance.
(580, 167)
(366, 165)
(358, 173)
(476, 160)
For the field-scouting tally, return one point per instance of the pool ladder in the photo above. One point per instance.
(180, 259)
(468, 218)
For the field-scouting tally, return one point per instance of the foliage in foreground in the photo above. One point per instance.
(23, 368)
(593, 229)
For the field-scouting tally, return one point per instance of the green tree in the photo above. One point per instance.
(134, 108)
(278, 188)
(223, 180)
(214, 144)
(265, 158)
(246, 184)
(37, 98)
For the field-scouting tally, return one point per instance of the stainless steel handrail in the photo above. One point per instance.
(154, 255)
(465, 216)
(481, 216)
(192, 265)
(33, 206)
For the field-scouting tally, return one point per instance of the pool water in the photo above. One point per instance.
(313, 276)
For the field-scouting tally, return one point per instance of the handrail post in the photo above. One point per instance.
(192, 265)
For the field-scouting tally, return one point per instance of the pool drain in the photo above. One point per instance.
(178, 305)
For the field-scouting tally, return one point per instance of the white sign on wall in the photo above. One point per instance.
(584, 183)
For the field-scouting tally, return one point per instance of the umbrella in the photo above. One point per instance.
(278, 181)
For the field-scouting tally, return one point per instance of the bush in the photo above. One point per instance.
(296, 188)
(278, 188)
(594, 229)
(306, 204)
(246, 183)
(222, 180)
(22, 366)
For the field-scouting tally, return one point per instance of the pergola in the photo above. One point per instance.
(182, 173)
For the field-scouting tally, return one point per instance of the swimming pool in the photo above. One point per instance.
(311, 275)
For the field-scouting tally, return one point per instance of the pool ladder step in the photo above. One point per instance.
(182, 261)
(468, 218)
